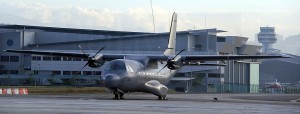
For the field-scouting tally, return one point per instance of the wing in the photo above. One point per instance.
(50, 53)
(185, 58)
(227, 57)
(66, 54)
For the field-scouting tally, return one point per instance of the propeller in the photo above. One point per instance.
(171, 61)
(91, 58)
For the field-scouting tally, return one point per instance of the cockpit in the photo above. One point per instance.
(123, 65)
(116, 66)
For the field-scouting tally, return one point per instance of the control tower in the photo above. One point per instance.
(267, 37)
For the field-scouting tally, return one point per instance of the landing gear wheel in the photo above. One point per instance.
(121, 95)
(118, 95)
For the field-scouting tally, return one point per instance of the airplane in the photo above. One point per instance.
(126, 73)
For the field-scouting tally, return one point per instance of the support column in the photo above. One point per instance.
(191, 43)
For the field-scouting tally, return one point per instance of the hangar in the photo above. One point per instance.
(236, 76)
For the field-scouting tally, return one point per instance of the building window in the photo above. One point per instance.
(198, 47)
(66, 72)
(85, 59)
(212, 75)
(97, 73)
(56, 72)
(35, 72)
(36, 58)
(87, 72)
(47, 58)
(4, 58)
(14, 72)
(4, 72)
(221, 39)
(76, 73)
(14, 58)
(67, 58)
(76, 59)
(56, 58)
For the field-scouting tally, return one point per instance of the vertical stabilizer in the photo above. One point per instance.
(172, 38)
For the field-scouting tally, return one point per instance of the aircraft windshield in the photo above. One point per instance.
(116, 66)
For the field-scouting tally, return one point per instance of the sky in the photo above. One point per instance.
(238, 17)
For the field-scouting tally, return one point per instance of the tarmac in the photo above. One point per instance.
(140, 103)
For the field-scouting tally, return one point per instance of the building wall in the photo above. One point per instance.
(146, 43)
(10, 40)
(54, 37)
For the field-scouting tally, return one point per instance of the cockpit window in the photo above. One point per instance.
(129, 68)
(116, 66)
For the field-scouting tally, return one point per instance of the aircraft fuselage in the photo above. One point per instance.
(132, 76)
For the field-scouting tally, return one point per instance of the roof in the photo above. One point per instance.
(73, 30)
(114, 38)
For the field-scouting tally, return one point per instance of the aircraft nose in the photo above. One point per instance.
(112, 81)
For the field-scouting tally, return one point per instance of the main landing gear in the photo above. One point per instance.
(118, 95)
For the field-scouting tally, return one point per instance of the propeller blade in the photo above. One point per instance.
(83, 51)
(178, 53)
(84, 66)
(99, 51)
(162, 68)
(162, 51)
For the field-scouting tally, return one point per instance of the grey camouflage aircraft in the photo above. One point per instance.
(143, 73)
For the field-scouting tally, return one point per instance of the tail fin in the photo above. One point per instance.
(172, 39)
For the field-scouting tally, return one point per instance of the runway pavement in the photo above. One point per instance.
(147, 104)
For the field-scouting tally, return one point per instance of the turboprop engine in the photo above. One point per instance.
(94, 61)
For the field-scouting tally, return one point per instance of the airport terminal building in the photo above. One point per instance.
(47, 70)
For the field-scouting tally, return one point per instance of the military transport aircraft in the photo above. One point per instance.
(143, 73)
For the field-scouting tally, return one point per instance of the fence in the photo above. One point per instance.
(282, 90)
(232, 88)
(245, 88)
(40, 80)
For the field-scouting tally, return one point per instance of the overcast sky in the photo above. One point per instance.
(238, 17)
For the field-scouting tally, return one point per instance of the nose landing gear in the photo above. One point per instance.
(162, 98)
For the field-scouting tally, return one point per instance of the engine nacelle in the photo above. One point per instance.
(96, 61)
(175, 63)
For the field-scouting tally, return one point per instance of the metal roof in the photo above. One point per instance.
(73, 30)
